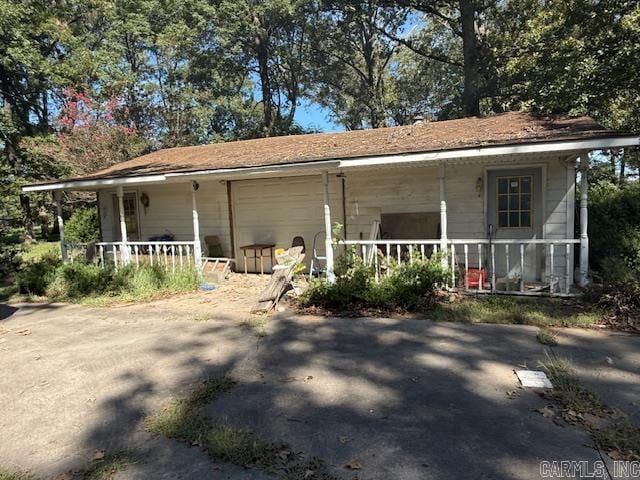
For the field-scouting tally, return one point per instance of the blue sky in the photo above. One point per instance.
(313, 116)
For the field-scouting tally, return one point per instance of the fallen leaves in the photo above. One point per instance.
(353, 465)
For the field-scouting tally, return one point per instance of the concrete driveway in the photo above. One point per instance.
(405, 399)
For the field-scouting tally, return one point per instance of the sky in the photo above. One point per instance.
(313, 116)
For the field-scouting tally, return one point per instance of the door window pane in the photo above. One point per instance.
(514, 201)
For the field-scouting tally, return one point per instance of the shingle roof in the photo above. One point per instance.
(503, 129)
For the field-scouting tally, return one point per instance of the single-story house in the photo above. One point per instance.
(497, 194)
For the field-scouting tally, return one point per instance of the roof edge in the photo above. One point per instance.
(566, 145)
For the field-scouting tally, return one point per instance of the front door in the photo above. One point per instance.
(514, 212)
(130, 201)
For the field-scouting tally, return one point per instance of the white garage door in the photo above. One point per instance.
(277, 209)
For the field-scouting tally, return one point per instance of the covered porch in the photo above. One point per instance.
(431, 198)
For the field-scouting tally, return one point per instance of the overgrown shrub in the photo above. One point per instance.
(82, 226)
(34, 277)
(78, 281)
(410, 286)
(10, 250)
(614, 224)
(614, 242)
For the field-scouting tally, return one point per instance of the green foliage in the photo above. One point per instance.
(410, 286)
(10, 249)
(615, 252)
(13, 475)
(81, 281)
(614, 224)
(34, 277)
(509, 310)
(623, 439)
(76, 280)
(567, 391)
(82, 226)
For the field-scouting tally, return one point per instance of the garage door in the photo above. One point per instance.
(277, 209)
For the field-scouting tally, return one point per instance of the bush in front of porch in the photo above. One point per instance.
(411, 286)
(82, 282)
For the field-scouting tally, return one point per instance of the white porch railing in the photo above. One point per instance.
(170, 254)
(505, 266)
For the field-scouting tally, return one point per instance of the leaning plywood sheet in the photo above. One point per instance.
(280, 279)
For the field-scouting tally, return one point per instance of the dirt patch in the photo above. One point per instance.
(232, 298)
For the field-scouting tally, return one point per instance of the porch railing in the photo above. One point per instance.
(170, 254)
(505, 266)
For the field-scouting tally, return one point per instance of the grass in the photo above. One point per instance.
(510, 310)
(6, 474)
(547, 337)
(104, 468)
(7, 292)
(36, 251)
(623, 439)
(567, 390)
(184, 421)
(257, 324)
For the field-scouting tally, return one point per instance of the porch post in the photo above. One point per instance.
(584, 221)
(197, 247)
(123, 227)
(57, 198)
(328, 244)
(443, 214)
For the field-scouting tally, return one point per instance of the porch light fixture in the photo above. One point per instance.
(195, 186)
(479, 186)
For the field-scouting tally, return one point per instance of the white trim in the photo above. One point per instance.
(579, 145)
(81, 184)
(319, 166)
(543, 192)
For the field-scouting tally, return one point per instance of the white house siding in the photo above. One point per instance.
(399, 190)
(275, 210)
(170, 209)
(415, 189)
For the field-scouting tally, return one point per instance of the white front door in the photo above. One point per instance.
(514, 211)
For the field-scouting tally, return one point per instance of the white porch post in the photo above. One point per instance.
(443, 214)
(123, 227)
(197, 247)
(57, 198)
(328, 244)
(584, 221)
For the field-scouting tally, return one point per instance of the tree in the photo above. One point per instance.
(39, 49)
(576, 57)
(268, 39)
(352, 61)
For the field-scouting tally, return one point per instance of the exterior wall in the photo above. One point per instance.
(369, 194)
(170, 209)
(400, 190)
(415, 189)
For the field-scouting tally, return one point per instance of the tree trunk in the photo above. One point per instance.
(471, 95)
(262, 51)
(27, 220)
